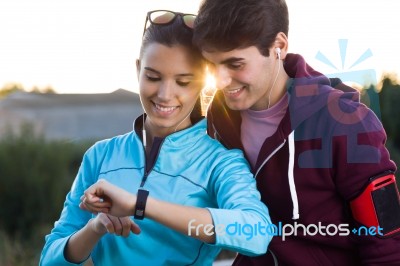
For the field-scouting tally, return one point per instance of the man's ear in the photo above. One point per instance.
(281, 41)
(137, 68)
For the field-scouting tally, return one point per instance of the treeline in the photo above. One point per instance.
(386, 106)
(36, 174)
(10, 88)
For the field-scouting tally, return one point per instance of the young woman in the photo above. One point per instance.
(184, 189)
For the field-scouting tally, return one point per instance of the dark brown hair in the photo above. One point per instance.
(224, 25)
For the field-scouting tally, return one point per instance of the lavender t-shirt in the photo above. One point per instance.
(259, 125)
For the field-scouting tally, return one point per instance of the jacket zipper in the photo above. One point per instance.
(269, 157)
(146, 173)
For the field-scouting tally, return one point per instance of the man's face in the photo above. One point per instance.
(245, 76)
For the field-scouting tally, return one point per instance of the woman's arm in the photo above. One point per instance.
(231, 186)
(108, 198)
(76, 232)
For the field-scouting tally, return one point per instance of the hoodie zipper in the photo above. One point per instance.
(274, 257)
(266, 160)
(269, 157)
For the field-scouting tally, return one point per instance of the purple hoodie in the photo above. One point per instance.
(322, 155)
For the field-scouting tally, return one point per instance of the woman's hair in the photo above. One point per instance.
(225, 25)
(174, 34)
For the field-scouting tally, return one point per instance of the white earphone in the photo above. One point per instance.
(144, 136)
(278, 52)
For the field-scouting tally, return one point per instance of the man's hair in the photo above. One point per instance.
(224, 25)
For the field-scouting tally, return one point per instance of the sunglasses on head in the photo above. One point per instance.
(166, 17)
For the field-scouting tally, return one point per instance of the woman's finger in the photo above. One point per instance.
(98, 204)
(116, 223)
(126, 225)
(134, 228)
(93, 209)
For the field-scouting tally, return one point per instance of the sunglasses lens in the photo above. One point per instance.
(161, 17)
(189, 20)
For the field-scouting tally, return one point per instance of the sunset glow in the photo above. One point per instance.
(91, 46)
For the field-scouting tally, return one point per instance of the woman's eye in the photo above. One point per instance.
(183, 83)
(153, 78)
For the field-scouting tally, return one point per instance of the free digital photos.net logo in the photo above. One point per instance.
(346, 74)
(350, 119)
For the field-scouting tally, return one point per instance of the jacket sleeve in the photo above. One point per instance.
(72, 218)
(242, 220)
(358, 156)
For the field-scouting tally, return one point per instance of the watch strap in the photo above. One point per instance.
(141, 200)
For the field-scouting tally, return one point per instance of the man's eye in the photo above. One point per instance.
(235, 66)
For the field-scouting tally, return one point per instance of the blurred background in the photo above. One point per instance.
(68, 79)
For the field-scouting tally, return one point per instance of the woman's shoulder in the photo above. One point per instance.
(113, 142)
(217, 150)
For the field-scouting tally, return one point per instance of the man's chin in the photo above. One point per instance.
(236, 106)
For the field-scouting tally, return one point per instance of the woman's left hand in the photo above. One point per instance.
(120, 226)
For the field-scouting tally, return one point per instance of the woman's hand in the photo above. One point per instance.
(108, 198)
(81, 244)
(120, 226)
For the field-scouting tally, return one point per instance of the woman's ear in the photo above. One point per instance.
(137, 68)
(281, 41)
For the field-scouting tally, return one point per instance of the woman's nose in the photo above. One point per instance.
(165, 91)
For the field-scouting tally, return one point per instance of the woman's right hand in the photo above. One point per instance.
(120, 226)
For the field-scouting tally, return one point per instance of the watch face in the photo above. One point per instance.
(139, 212)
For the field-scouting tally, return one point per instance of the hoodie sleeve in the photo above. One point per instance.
(72, 218)
(360, 154)
(241, 220)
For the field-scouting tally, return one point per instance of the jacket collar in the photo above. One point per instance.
(187, 136)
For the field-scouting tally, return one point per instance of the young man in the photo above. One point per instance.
(317, 153)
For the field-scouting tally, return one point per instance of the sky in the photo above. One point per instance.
(90, 46)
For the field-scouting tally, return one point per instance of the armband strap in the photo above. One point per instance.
(379, 205)
(140, 203)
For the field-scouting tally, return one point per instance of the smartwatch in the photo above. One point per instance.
(141, 200)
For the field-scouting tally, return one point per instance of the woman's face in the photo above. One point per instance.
(170, 81)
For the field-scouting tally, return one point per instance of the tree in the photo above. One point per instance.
(389, 96)
(390, 110)
(10, 88)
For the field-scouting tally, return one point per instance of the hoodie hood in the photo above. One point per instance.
(311, 91)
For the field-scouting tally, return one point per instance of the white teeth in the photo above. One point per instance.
(234, 91)
(165, 109)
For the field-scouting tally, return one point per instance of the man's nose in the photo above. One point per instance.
(222, 77)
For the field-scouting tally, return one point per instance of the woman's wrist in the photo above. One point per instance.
(132, 204)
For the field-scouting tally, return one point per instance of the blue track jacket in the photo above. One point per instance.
(191, 169)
